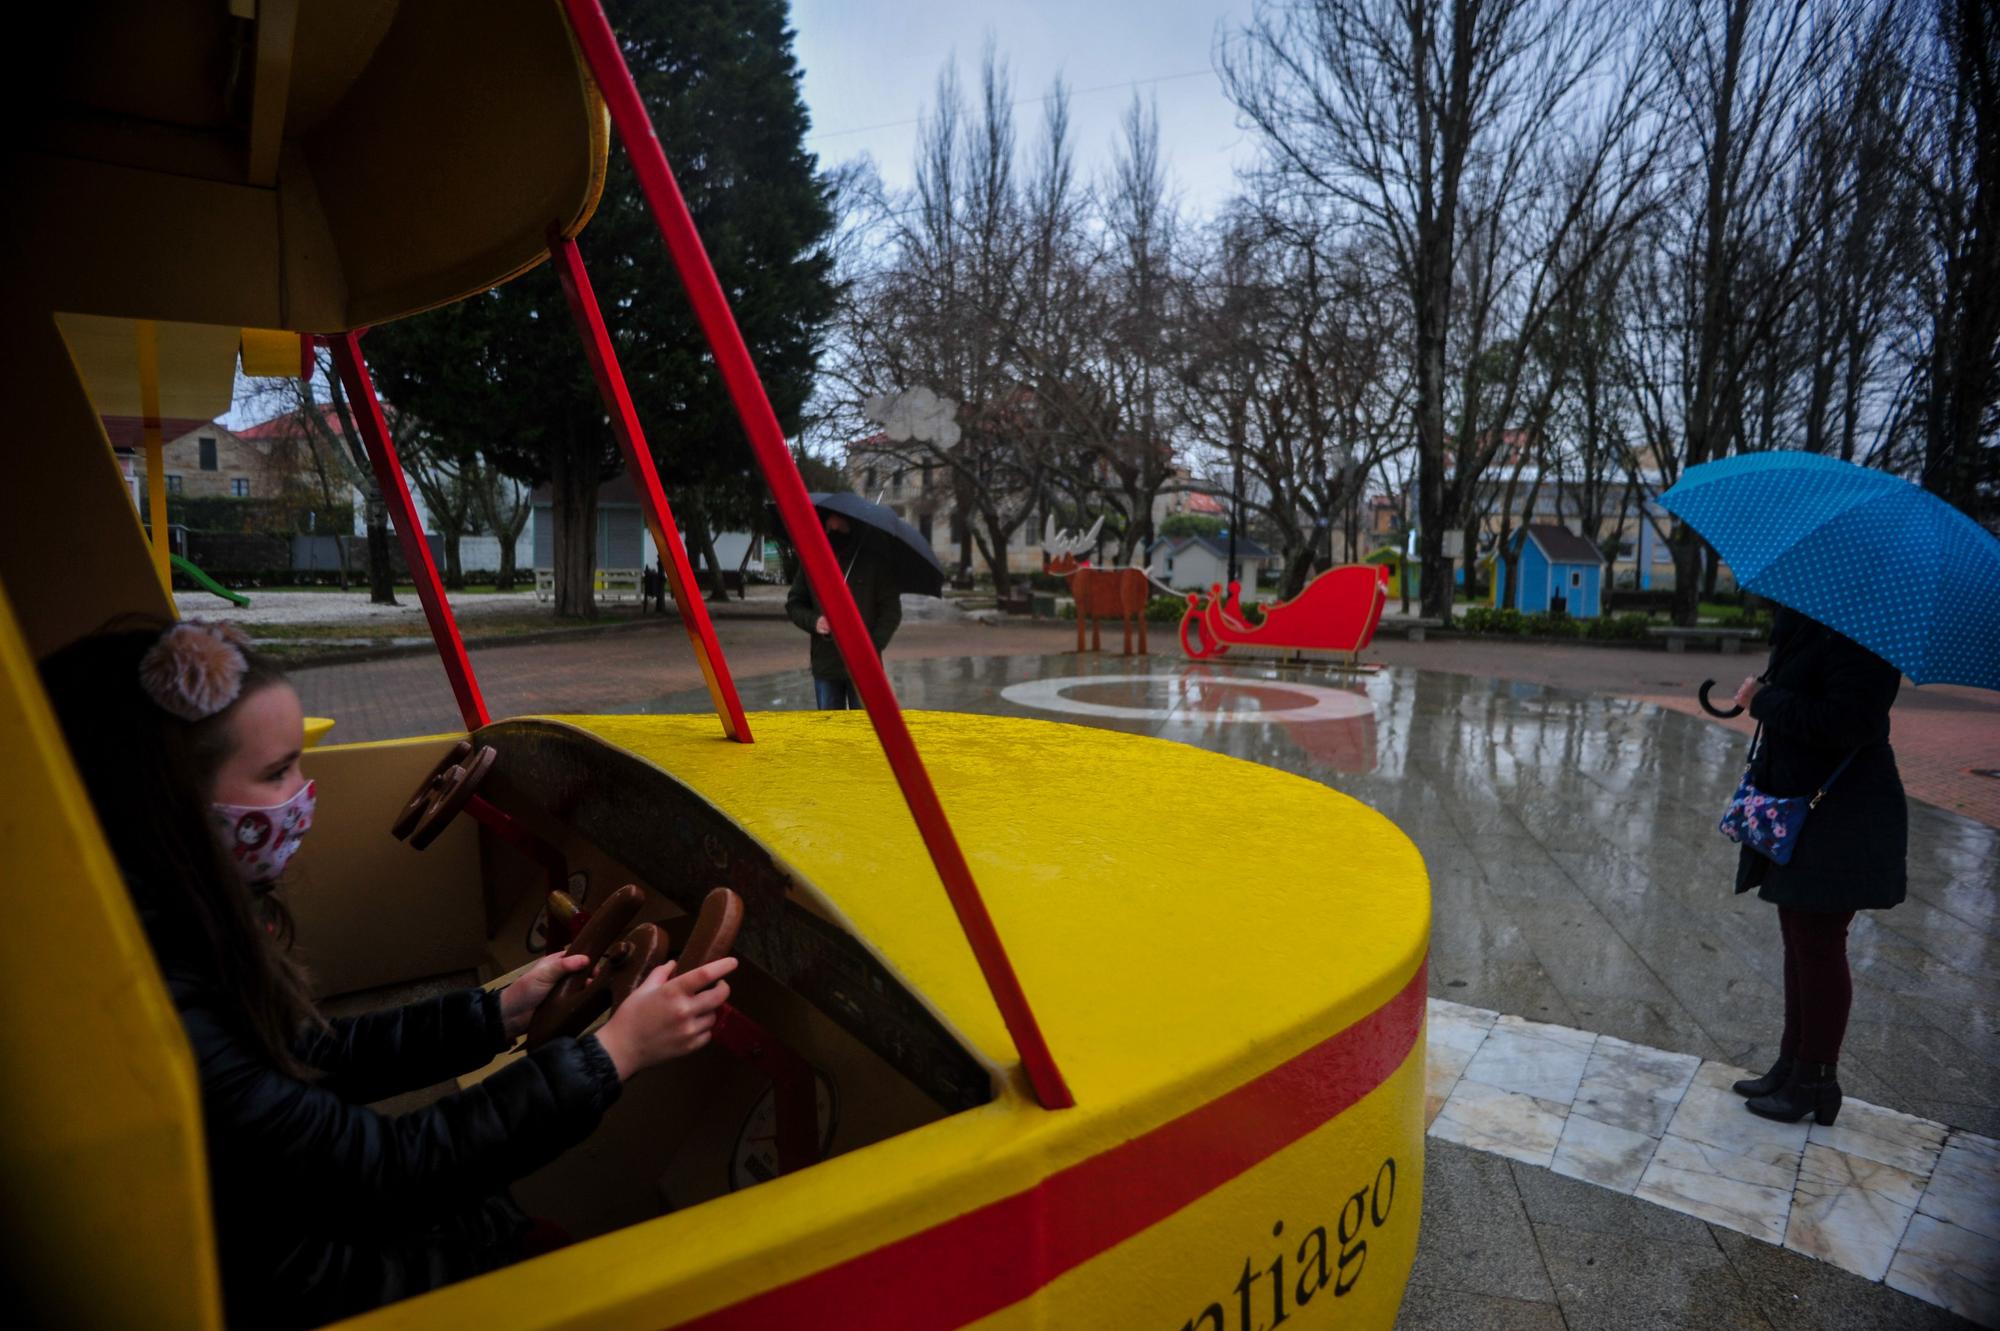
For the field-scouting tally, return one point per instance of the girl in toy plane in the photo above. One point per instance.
(189, 745)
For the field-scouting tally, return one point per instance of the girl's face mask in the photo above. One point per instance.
(259, 841)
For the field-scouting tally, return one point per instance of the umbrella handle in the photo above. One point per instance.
(1710, 707)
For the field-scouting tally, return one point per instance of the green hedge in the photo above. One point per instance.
(1512, 623)
(227, 515)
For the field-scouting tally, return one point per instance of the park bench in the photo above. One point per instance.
(1729, 641)
(620, 584)
(610, 584)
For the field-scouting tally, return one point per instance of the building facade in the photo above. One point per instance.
(201, 459)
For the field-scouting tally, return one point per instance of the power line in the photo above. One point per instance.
(1025, 101)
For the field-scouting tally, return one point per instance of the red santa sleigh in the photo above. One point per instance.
(1335, 612)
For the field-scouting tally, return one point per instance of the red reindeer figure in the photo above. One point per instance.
(1100, 593)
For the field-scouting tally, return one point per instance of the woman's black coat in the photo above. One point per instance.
(1825, 697)
(324, 1208)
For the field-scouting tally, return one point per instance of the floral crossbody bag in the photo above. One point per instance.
(1770, 824)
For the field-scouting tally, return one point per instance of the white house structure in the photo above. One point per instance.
(1196, 563)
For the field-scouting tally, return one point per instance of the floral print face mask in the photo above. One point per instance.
(259, 841)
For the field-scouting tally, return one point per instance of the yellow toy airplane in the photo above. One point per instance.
(1097, 1066)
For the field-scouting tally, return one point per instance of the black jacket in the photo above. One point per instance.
(872, 580)
(324, 1208)
(1825, 697)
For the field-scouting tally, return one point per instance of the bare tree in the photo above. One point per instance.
(938, 312)
(1286, 375)
(325, 435)
(1955, 148)
(446, 480)
(1743, 72)
(1443, 126)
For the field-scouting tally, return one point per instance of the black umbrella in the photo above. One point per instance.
(911, 559)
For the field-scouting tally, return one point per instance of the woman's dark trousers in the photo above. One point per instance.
(1818, 988)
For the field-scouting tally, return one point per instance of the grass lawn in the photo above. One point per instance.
(361, 585)
(293, 643)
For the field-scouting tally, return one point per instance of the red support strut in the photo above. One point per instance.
(767, 441)
(395, 489)
(639, 461)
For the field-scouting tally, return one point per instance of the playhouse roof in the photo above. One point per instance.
(1561, 545)
(1215, 545)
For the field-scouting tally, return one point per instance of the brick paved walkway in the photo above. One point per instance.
(1941, 733)
(407, 695)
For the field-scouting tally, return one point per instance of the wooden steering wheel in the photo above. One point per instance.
(406, 821)
(618, 966)
(576, 1000)
(442, 798)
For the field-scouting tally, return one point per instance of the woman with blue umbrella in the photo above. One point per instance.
(1875, 579)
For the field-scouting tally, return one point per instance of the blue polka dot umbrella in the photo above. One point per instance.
(1864, 552)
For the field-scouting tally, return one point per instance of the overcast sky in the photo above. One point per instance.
(871, 68)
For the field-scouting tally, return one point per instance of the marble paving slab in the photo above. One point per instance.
(1606, 1154)
(1712, 1114)
(1749, 1194)
(1905, 1141)
(1965, 1187)
(1951, 1267)
(1507, 1123)
(1887, 1195)
(1532, 1058)
(1458, 1029)
(1850, 1210)
(1634, 1087)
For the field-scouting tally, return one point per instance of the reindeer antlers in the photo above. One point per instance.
(1062, 543)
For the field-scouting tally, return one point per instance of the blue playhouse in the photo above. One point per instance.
(1556, 564)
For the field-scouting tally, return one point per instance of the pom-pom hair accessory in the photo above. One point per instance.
(196, 668)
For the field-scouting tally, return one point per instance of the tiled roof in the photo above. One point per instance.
(281, 427)
(128, 432)
(1562, 545)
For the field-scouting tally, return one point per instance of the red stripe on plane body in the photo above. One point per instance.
(978, 1263)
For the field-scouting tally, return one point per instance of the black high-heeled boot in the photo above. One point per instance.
(1781, 1072)
(1812, 1090)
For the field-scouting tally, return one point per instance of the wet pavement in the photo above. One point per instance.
(1582, 893)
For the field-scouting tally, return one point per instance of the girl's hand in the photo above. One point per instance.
(519, 1000)
(1746, 691)
(667, 1015)
(822, 627)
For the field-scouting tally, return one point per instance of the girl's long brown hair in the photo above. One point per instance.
(149, 775)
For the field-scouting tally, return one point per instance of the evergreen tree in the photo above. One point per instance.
(504, 374)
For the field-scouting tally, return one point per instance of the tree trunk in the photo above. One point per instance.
(1298, 567)
(573, 478)
(996, 555)
(454, 568)
(1469, 556)
(718, 586)
(743, 565)
(1712, 332)
(381, 571)
(1431, 512)
(505, 577)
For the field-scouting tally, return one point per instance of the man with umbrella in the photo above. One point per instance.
(880, 556)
